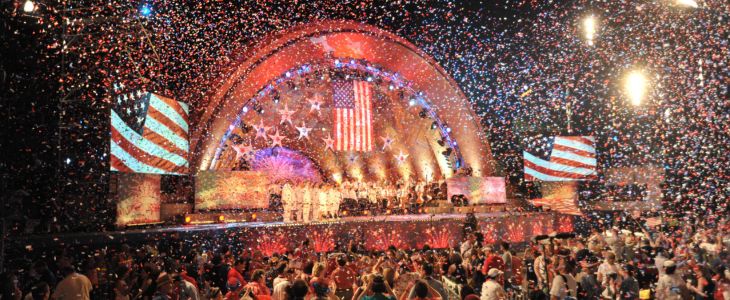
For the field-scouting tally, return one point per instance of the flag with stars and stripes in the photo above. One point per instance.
(561, 158)
(149, 133)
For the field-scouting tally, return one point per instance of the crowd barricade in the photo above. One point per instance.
(452, 287)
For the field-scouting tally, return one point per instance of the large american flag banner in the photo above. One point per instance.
(352, 115)
(149, 134)
(562, 158)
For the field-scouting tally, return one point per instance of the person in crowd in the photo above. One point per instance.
(492, 288)
(670, 285)
(72, 286)
(507, 259)
(258, 285)
(432, 282)
(629, 287)
(39, 291)
(165, 287)
(282, 283)
(121, 290)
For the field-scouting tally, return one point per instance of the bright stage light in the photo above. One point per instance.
(589, 27)
(635, 87)
(688, 3)
(29, 6)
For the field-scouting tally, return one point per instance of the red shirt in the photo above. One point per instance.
(234, 274)
(344, 277)
(493, 261)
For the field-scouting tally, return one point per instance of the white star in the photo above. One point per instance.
(261, 130)
(387, 141)
(242, 150)
(286, 115)
(322, 42)
(315, 103)
(276, 139)
(329, 143)
(304, 131)
(401, 157)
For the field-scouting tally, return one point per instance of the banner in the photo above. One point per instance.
(218, 190)
(139, 199)
(479, 190)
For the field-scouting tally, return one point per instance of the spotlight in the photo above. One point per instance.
(448, 129)
(589, 27)
(635, 86)
(29, 6)
(253, 217)
(412, 102)
(434, 125)
(145, 10)
(276, 98)
(188, 219)
(221, 218)
(245, 109)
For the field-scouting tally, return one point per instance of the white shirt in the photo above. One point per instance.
(279, 292)
(492, 290)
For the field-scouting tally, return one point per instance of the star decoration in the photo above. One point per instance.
(352, 158)
(387, 141)
(329, 143)
(244, 151)
(322, 42)
(276, 139)
(401, 157)
(304, 131)
(286, 115)
(261, 130)
(315, 103)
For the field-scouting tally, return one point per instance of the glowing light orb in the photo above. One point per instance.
(589, 28)
(29, 6)
(635, 87)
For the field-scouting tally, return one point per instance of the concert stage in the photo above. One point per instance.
(372, 233)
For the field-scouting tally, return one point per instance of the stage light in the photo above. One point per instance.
(145, 10)
(635, 87)
(434, 125)
(221, 218)
(391, 87)
(253, 217)
(412, 102)
(448, 129)
(589, 27)
(276, 98)
(188, 219)
(687, 3)
(29, 6)
(245, 109)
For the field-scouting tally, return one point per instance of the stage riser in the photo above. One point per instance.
(372, 235)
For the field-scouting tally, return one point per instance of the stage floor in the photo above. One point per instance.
(373, 232)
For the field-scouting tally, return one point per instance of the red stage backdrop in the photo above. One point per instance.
(378, 234)
(216, 190)
(139, 199)
(479, 190)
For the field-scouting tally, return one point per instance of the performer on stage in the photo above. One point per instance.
(306, 203)
(286, 202)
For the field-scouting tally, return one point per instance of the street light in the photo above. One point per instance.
(589, 28)
(688, 3)
(29, 6)
(635, 86)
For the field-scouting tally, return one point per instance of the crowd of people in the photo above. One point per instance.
(688, 261)
(308, 202)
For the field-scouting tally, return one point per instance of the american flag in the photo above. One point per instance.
(149, 133)
(352, 115)
(562, 158)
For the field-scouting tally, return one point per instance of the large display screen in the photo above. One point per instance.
(149, 134)
(139, 199)
(479, 190)
(219, 190)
